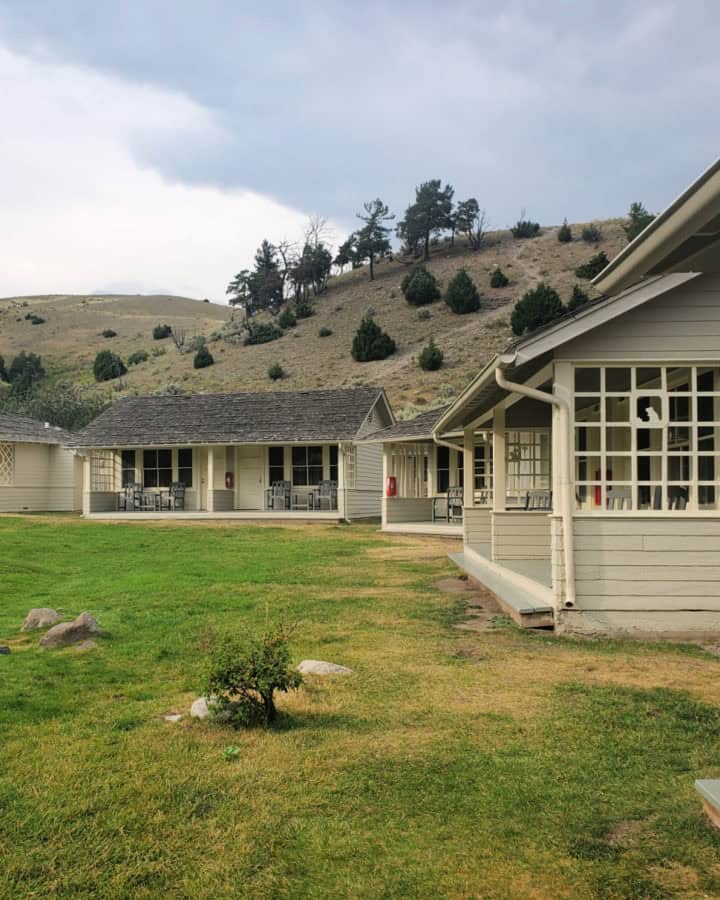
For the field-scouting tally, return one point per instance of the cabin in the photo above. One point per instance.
(600, 437)
(37, 473)
(271, 455)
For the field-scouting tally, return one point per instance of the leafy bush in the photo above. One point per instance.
(462, 296)
(304, 309)
(325, 332)
(638, 219)
(61, 403)
(109, 333)
(161, 331)
(577, 299)
(245, 674)
(593, 266)
(564, 233)
(419, 286)
(203, 358)
(431, 357)
(262, 333)
(424, 314)
(523, 228)
(287, 319)
(107, 366)
(139, 356)
(196, 342)
(33, 319)
(535, 309)
(498, 279)
(371, 342)
(159, 351)
(276, 372)
(591, 234)
(25, 370)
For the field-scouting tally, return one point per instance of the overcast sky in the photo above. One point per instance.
(149, 145)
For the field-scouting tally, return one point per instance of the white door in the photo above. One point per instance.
(250, 478)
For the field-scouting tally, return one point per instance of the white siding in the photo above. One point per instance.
(477, 527)
(520, 535)
(408, 509)
(44, 480)
(364, 501)
(683, 324)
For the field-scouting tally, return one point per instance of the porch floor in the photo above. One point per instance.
(247, 514)
(523, 586)
(435, 529)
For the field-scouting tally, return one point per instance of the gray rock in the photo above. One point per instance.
(80, 629)
(40, 618)
(201, 709)
(174, 717)
(319, 667)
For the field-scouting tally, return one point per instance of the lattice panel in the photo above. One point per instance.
(102, 470)
(7, 464)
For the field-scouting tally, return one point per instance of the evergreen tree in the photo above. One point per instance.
(3, 370)
(203, 358)
(593, 266)
(263, 288)
(430, 214)
(462, 295)
(564, 233)
(25, 371)
(347, 253)
(638, 219)
(591, 234)
(107, 366)
(431, 357)
(371, 342)
(469, 220)
(524, 228)
(536, 308)
(498, 279)
(371, 242)
(577, 299)
(419, 286)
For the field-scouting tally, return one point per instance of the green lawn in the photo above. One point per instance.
(500, 764)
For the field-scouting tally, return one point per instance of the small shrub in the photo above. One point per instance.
(419, 287)
(325, 332)
(462, 296)
(109, 333)
(196, 342)
(245, 674)
(139, 356)
(33, 319)
(498, 279)
(276, 372)
(203, 358)
(107, 366)
(431, 357)
(159, 351)
(591, 234)
(638, 220)
(524, 228)
(161, 331)
(593, 266)
(577, 299)
(262, 333)
(304, 309)
(564, 233)
(371, 342)
(535, 309)
(424, 314)
(287, 319)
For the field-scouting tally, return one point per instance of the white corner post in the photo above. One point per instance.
(387, 461)
(469, 468)
(498, 457)
(210, 502)
(87, 473)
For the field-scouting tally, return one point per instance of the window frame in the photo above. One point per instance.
(157, 468)
(317, 469)
(128, 474)
(538, 440)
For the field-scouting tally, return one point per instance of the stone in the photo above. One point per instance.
(4, 651)
(320, 667)
(66, 633)
(174, 717)
(40, 618)
(200, 709)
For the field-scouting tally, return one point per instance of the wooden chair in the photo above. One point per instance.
(677, 498)
(126, 499)
(455, 500)
(619, 498)
(327, 495)
(279, 495)
(538, 500)
(177, 495)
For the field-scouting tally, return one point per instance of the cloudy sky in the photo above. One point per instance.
(149, 145)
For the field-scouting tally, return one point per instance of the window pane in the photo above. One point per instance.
(617, 379)
(299, 476)
(708, 378)
(587, 439)
(150, 479)
(679, 379)
(619, 468)
(707, 468)
(276, 456)
(315, 474)
(587, 409)
(149, 459)
(618, 496)
(586, 468)
(649, 378)
(678, 497)
(679, 438)
(649, 439)
(650, 496)
(708, 438)
(618, 439)
(164, 477)
(299, 456)
(649, 409)
(164, 459)
(707, 497)
(185, 458)
(185, 477)
(315, 456)
(128, 459)
(680, 409)
(679, 468)
(587, 381)
(708, 409)
(443, 480)
(443, 457)
(617, 409)
(649, 468)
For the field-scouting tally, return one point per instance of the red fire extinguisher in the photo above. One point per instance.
(229, 480)
(598, 489)
(391, 486)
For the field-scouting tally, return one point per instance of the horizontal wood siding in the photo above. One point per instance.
(223, 500)
(364, 501)
(643, 564)
(520, 535)
(44, 480)
(407, 509)
(477, 527)
(683, 324)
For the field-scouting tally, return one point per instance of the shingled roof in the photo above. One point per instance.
(24, 430)
(245, 418)
(419, 428)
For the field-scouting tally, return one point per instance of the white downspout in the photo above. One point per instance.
(566, 475)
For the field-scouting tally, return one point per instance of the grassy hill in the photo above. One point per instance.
(71, 334)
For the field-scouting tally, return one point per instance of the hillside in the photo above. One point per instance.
(71, 334)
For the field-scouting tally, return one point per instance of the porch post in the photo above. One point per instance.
(499, 468)
(86, 484)
(210, 503)
(469, 467)
(432, 469)
(387, 454)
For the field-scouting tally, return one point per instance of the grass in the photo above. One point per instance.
(499, 764)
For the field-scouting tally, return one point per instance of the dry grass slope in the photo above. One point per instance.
(71, 334)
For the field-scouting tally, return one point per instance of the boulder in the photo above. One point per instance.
(200, 709)
(40, 618)
(319, 667)
(80, 629)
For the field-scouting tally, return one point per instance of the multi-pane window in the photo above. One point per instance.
(350, 462)
(442, 468)
(7, 464)
(527, 463)
(482, 471)
(157, 468)
(307, 464)
(647, 438)
(127, 467)
(185, 466)
(333, 457)
(102, 470)
(276, 464)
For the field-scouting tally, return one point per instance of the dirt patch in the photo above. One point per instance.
(622, 833)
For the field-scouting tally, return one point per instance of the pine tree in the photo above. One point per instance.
(462, 295)
(430, 214)
(535, 309)
(577, 299)
(498, 279)
(564, 233)
(638, 219)
(431, 357)
(372, 241)
(593, 266)
(371, 342)
(419, 287)
(107, 366)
